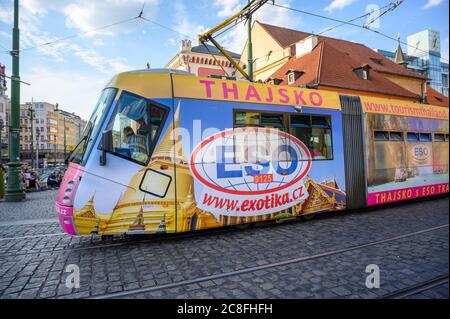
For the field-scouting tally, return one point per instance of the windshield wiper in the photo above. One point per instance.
(83, 139)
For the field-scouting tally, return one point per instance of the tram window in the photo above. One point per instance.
(425, 137)
(316, 136)
(135, 127)
(412, 137)
(247, 119)
(439, 137)
(395, 136)
(381, 136)
(269, 120)
(272, 120)
(446, 137)
(301, 120)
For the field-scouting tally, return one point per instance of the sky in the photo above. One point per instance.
(73, 72)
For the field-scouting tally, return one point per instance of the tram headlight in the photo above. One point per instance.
(68, 191)
(66, 200)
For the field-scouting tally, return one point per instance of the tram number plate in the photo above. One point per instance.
(262, 178)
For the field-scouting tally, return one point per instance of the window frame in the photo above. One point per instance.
(150, 103)
(416, 134)
(287, 124)
(425, 133)
(291, 78)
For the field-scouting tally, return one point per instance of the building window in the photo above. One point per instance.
(376, 61)
(294, 75)
(291, 78)
(362, 73)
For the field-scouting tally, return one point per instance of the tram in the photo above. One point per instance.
(167, 152)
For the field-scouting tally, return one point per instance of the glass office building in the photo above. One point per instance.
(424, 57)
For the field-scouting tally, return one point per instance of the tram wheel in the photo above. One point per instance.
(107, 237)
(242, 226)
(308, 216)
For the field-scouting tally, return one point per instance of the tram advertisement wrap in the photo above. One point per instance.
(410, 161)
(250, 171)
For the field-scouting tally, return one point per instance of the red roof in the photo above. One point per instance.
(436, 98)
(325, 65)
(359, 52)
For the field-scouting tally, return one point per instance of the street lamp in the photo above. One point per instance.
(65, 141)
(14, 190)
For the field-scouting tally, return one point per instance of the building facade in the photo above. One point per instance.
(424, 57)
(197, 60)
(47, 132)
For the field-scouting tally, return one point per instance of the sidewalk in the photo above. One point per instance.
(37, 205)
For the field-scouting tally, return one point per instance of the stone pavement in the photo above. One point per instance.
(37, 205)
(34, 254)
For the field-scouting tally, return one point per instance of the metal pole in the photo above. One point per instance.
(30, 109)
(14, 189)
(249, 47)
(54, 136)
(65, 141)
(37, 150)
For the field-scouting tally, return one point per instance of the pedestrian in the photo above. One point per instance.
(26, 177)
(35, 180)
(52, 180)
(2, 181)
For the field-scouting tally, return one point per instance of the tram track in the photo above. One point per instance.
(125, 241)
(418, 288)
(263, 267)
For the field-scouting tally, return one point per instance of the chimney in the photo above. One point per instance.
(306, 45)
(185, 45)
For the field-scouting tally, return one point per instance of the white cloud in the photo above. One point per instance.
(228, 7)
(338, 4)
(32, 36)
(75, 92)
(432, 3)
(185, 25)
(86, 15)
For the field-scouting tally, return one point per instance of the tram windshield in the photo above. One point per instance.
(91, 130)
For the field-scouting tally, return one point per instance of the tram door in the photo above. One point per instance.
(354, 151)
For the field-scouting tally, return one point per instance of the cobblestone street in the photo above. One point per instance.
(322, 258)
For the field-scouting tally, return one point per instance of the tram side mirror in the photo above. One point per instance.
(106, 146)
(155, 183)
